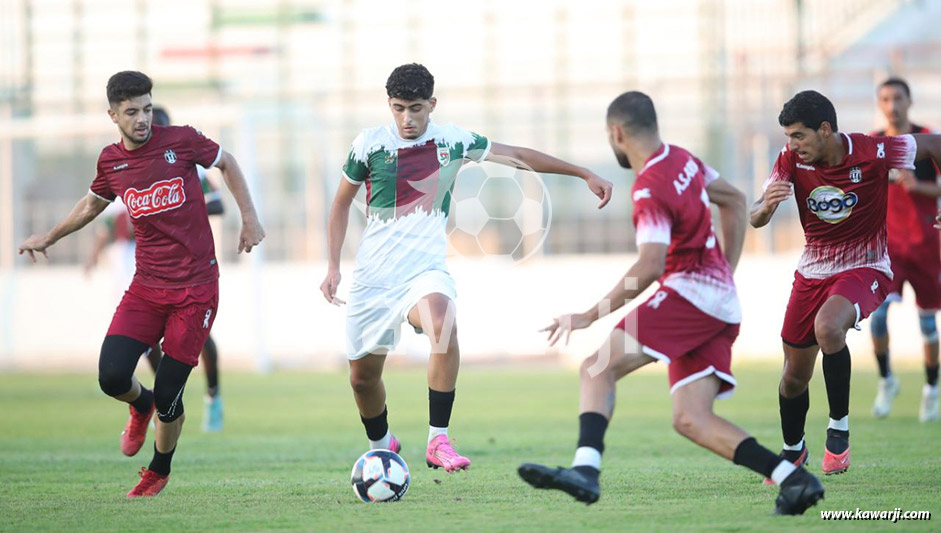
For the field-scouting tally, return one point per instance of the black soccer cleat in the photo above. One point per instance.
(578, 485)
(799, 491)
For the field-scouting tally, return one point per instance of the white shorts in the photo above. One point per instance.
(375, 315)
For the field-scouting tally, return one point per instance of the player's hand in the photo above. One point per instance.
(36, 243)
(775, 193)
(251, 235)
(904, 177)
(329, 287)
(566, 324)
(600, 187)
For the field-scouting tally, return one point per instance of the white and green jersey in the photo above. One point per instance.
(408, 196)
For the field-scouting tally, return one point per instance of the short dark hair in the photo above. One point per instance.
(128, 84)
(161, 117)
(898, 82)
(410, 82)
(809, 108)
(634, 111)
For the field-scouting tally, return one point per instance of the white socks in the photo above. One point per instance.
(383, 443)
(434, 432)
(794, 448)
(587, 456)
(780, 473)
(842, 424)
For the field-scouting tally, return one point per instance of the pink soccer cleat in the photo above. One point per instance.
(394, 444)
(440, 454)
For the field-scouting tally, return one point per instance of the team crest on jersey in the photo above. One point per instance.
(170, 156)
(444, 154)
(162, 196)
(856, 175)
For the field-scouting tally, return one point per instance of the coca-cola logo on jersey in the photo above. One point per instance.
(162, 196)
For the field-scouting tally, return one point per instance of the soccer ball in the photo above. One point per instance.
(498, 210)
(380, 476)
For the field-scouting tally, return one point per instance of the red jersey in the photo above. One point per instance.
(910, 217)
(671, 207)
(159, 185)
(843, 207)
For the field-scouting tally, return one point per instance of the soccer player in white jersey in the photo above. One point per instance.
(408, 167)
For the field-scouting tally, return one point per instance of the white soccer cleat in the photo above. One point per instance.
(888, 389)
(929, 404)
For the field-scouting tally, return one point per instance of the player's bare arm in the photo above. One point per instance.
(84, 212)
(765, 206)
(337, 223)
(541, 162)
(647, 269)
(252, 233)
(732, 209)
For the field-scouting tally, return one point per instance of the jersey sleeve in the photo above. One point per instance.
(356, 168)
(899, 151)
(206, 152)
(709, 174)
(653, 221)
(479, 148)
(783, 169)
(100, 186)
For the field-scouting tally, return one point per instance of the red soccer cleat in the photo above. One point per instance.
(132, 438)
(150, 484)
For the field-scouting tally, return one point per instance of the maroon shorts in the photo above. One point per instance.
(923, 275)
(182, 317)
(865, 288)
(693, 344)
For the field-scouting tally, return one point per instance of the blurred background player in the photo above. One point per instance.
(690, 323)
(915, 251)
(840, 183)
(175, 290)
(409, 168)
(212, 419)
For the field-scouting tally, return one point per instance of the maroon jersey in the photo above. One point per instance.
(843, 207)
(160, 187)
(671, 207)
(910, 217)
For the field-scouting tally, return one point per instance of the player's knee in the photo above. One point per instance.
(686, 423)
(793, 383)
(114, 383)
(878, 325)
(928, 326)
(829, 333)
(363, 383)
(444, 326)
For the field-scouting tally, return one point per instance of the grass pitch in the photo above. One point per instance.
(290, 439)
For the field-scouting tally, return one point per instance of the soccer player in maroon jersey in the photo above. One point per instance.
(840, 182)
(690, 323)
(175, 290)
(915, 251)
(408, 168)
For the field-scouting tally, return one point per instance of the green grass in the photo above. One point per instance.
(290, 440)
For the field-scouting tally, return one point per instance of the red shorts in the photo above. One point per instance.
(693, 344)
(923, 275)
(865, 288)
(182, 317)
